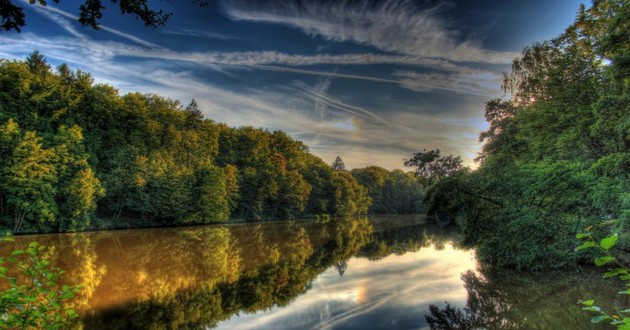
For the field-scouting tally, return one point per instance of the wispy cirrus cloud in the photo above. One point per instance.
(477, 83)
(331, 125)
(201, 34)
(57, 15)
(443, 75)
(396, 26)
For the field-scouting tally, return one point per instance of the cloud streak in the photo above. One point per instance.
(382, 133)
(396, 26)
(55, 14)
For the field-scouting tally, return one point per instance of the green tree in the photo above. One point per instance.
(31, 184)
(338, 164)
(79, 188)
(34, 301)
(212, 196)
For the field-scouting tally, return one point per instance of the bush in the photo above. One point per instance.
(33, 298)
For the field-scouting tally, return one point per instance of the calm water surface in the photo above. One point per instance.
(376, 273)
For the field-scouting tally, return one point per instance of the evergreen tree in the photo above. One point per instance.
(338, 164)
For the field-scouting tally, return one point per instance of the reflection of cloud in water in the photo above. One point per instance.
(398, 287)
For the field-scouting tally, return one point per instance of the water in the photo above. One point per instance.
(377, 273)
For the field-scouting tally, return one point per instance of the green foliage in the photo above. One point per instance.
(75, 156)
(509, 299)
(555, 155)
(430, 167)
(392, 192)
(621, 318)
(33, 298)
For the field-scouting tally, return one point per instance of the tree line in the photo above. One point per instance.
(78, 155)
(556, 155)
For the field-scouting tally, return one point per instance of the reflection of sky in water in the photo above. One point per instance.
(391, 293)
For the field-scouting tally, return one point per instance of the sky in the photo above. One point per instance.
(369, 81)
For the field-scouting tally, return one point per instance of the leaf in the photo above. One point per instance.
(592, 309)
(603, 260)
(586, 245)
(589, 302)
(598, 319)
(615, 272)
(608, 242)
(582, 235)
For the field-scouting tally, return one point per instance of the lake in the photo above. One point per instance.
(381, 272)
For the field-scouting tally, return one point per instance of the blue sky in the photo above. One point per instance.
(370, 81)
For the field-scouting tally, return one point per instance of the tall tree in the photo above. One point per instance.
(338, 164)
(32, 184)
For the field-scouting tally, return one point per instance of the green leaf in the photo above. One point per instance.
(592, 309)
(598, 319)
(582, 235)
(608, 242)
(626, 311)
(603, 260)
(624, 292)
(586, 245)
(589, 302)
(615, 272)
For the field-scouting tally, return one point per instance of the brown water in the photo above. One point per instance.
(377, 273)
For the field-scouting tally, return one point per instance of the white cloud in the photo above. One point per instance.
(329, 125)
(479, 83)
(56, 14)
(396, 26)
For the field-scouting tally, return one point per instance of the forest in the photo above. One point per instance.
(77, 155)
(555, 159)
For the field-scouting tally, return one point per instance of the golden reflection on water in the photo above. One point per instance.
(350, 273)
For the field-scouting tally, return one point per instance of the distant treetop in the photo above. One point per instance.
(338, 164)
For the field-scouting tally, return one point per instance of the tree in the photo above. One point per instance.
(338, 164)
(430, 167)
(90, 13)
(194, 115)
(79, 188)
(499, 115)
(37, 64)
(32, 184)
(212, 202)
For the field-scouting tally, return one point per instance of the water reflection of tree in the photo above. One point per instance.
(500, 299)
(403, 239)
(273, 279)
(199, 276)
